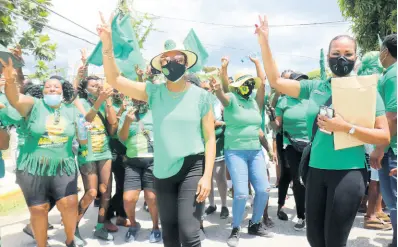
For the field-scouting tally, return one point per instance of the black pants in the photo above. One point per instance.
(116, 203)
(180, 214)
(289, 173)
(332, 201)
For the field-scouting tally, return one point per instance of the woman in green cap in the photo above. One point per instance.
(95, 158)
(181, 116)
(46, 165)
(336, 179)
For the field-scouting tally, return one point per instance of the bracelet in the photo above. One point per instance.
(108, 53)
(95, 110)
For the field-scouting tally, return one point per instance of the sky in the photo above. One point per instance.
(296, 48)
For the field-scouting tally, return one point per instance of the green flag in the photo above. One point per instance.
(322, 66)
(122, 45)
(135, 57)
(192, 43)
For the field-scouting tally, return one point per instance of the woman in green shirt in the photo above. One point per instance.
(181, 116)
(46, 165)
(242, 150)
(336, 179)
(290, 121)
(136, 133)
(95, 158)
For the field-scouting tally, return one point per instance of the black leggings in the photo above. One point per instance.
(288, 174)
(332, 201)
(180, 214)
(96, 175)
(116, 203)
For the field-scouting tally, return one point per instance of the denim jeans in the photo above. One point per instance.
(388, 187)
(245, 166)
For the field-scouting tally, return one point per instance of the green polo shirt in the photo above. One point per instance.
(323, 154)
(388, 91)
(243, 122)
(294, 117)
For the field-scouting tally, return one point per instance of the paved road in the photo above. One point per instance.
(217, 230)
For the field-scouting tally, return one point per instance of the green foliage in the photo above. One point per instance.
(43, 72)
(370, 17)
(142, 24)
(31, 40)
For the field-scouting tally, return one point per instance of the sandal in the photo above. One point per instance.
(385, 217)
(376, 224)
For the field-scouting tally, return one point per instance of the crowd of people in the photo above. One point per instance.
(171, 138)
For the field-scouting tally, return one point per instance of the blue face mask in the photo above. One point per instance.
(52, 99)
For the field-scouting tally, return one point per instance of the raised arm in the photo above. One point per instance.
(129, 88)
(216, 87)
(260, 96)
(125, 130)
(102, 97)
(22, 103)
(284, 86)
(224, 74)
(111, 117)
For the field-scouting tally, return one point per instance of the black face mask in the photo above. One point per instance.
(341, 66)
(173, 71)
(249, 90)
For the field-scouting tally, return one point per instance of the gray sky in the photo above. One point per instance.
(294, 47)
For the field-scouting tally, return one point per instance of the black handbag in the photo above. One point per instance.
(306, 155)
(298, 145)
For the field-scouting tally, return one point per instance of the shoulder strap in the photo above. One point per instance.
(314, 125)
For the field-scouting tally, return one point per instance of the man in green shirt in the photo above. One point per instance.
(384, 158)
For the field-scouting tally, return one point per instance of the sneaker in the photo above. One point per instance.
(258, 230)
(233, 239)
(156, 236)
(28, 231)
(269, 222)
(224, 213)
(282, 215)
(230, 194)
(210, 209)
(300, 226)
(103, 234)
(132, 233)
(110, 226)
(79, 241)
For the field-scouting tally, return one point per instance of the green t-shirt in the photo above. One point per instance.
(48, 145)
(323, 154)
(388, 91)
(243, 122)
(97, 147)
(294, 117)
(177, 125)
(139, 143)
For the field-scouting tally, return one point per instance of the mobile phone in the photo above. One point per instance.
(326, 111)
(330, 112)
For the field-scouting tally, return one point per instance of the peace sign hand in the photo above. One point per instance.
(263, 30)
(83, 52)
(224, 62)
(8, 70)
(104, 29)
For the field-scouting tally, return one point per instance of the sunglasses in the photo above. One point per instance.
(177, 58)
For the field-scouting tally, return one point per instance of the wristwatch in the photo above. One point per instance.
(352, 130)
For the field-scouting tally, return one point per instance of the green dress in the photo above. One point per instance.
(48, 143)
(323, 154)
(97, 147)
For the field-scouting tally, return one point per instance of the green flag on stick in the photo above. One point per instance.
(322, 65)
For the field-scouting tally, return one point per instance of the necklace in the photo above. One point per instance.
(176, 95)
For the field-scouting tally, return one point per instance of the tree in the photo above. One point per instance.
(142, 24)
(32, 40)
(370, 18)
